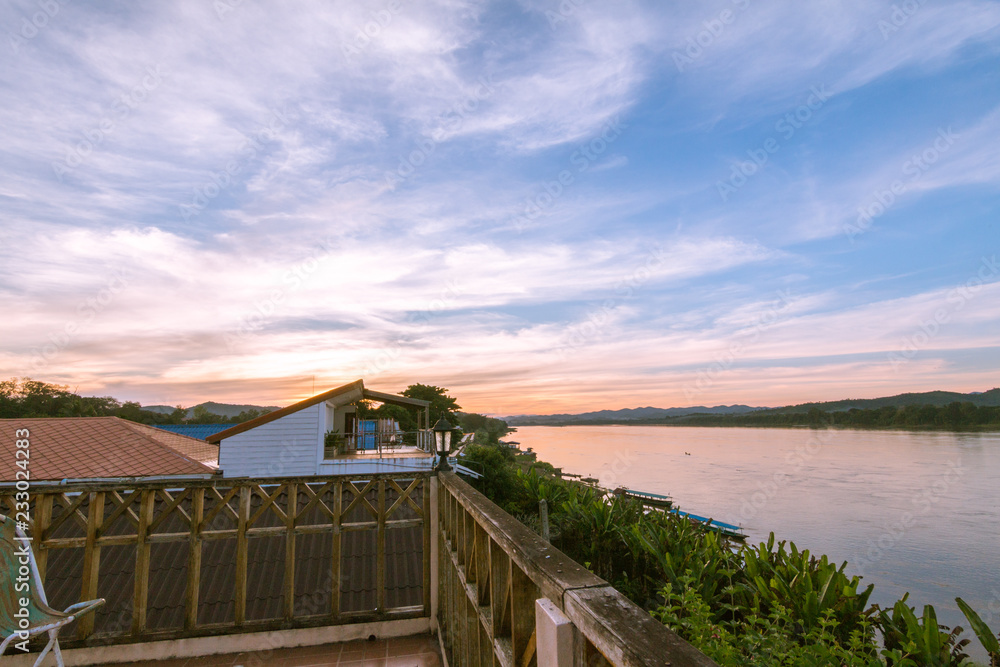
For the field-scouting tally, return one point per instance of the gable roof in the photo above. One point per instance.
(99, 448)
(343, 395)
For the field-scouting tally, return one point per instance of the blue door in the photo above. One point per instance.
(368, 434)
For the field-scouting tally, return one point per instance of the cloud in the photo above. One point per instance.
(200, 198)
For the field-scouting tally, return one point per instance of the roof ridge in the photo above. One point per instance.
(141, 430)
(216, 438)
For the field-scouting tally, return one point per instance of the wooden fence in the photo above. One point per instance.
(220, 556)
(213, 557)
(491, 569)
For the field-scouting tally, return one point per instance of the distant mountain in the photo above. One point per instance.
(626, 414)
(221, 409)
(989, 398)
(939, 399)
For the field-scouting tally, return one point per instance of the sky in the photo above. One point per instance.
(543, 206)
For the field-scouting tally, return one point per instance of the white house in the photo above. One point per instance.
(291, 441)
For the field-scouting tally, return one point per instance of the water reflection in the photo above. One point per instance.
(910, 511)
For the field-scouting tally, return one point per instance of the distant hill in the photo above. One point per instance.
(939, 399)
(221, 409)
(647, 415)
(626, 414)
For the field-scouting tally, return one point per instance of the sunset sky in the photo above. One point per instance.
(543, 206)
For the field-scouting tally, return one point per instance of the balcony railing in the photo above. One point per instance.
(215, 558)
(218, 557)
(382, 441)
(491, 571)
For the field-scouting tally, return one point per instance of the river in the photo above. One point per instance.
(910, 511)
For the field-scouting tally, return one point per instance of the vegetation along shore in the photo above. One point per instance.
(766, 604)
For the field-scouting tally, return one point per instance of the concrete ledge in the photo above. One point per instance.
(233, 643)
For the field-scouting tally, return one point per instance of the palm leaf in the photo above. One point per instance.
(986, 636)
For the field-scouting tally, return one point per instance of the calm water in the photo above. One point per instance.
(910, 511)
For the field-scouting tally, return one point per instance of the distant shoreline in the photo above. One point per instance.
(984, 428)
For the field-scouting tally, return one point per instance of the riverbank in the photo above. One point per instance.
(885, 501)
(986, 428)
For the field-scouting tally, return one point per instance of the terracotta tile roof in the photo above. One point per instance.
(193, 448)
(87, 447)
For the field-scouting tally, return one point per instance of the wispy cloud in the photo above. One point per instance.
(226, 201)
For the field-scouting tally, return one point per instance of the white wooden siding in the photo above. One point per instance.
(285, 447)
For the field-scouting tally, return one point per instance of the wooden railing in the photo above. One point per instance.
(214, 557)
(221, 556)
(491, 569)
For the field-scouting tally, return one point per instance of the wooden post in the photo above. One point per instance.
(292, 493)
(430, 538)
(543, 514)
(91, 560)
(194, 560)
(482, 566)
(500, 590)
(43, 515)
(380, 550)
(338, 502)
(432, 550)
(241, 555)
(141, 595)
(522, 609)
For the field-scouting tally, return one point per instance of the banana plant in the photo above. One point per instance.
(541, 488)
(810, 589)
(989, 641)
(909, 640)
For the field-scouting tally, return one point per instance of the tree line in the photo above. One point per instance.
(955, 415)
(25, 398)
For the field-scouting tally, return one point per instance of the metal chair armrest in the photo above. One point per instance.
(81, 608)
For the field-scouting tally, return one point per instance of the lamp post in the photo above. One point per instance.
(442, 442)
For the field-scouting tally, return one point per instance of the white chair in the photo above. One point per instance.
(17, 568)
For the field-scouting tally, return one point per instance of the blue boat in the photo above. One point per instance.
(727, 529)
(666, 502)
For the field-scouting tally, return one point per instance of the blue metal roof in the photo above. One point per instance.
(199, 431)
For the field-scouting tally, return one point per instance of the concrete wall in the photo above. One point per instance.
(291, 445)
